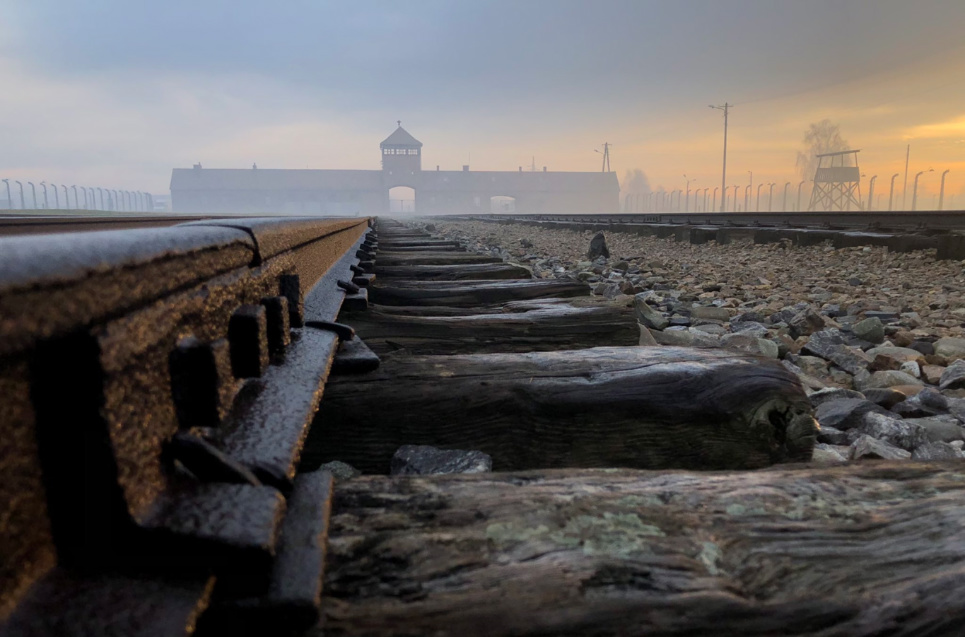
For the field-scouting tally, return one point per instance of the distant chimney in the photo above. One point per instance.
(544, 169)
(520, 169)
(197, 166)
(254, 166)
(465, 168)
(437, 167)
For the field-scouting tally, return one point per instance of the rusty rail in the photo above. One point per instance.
(156, 387)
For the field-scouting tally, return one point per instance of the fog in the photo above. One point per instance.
(114, 94)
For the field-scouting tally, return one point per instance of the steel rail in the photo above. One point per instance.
(17, 223)
(156, 388)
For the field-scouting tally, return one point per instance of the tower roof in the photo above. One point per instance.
(400, 139)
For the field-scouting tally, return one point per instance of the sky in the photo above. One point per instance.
(116, 93)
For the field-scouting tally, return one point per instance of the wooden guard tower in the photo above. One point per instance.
(837, 185)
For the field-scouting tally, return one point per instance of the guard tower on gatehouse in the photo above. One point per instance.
(837, 182)
(401, 153)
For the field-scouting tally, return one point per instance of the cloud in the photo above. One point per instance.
(122, 131)
(119, 92)
(952, 128)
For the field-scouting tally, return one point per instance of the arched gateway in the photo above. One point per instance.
(367, 192)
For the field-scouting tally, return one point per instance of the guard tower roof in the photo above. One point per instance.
(840, 152)
(400, 139)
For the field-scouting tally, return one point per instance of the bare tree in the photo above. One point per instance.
(820, 137)
(635, 182)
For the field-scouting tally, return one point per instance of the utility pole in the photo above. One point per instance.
(606, 157)
(723, 178)
(904, 189)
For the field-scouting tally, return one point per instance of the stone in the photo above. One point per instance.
(647, 315)
(936, 451)
(809, 382)
(833, 436)
(714, 329)
(867, 448)
(932, 373)
(787, 345)
(885, 316)
(833, 393)
(926, 348)
(841, 378)
(425, 460)
(709, 312)
(340, 470)
(884, 362)
(908, 390)
(607, 289)
(703, 339)
(911, 408)
(824, 455)
(904, 434)
(954, 376)
(902, 338)
(805, 323)
(623, 266)
(887, 397)
(597, 247)
(845, 413)
(750, 344)
(646, 338)
(932, 399)
(956, 407)
(751, 328)
(940, 428)
(911, 368)
(951, 348)
(830, 345)
(748, 317)
(887, 379)
(813, 365)
(870, 329)
(900, 354)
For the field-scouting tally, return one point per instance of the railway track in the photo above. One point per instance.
(172, 396)
(899, 231)
(896, 221)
